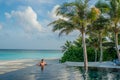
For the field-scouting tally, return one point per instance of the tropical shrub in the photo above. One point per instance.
(109, 54)
(75, 54)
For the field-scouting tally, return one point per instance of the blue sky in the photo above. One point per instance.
(23, 25)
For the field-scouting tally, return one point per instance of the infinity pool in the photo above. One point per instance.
(57, 71)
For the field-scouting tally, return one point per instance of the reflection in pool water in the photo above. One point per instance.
(101, 74)
(62, 72)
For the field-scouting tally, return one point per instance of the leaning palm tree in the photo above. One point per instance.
(79, 16)
(114, 13)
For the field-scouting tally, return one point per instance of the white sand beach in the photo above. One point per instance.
(12, 65)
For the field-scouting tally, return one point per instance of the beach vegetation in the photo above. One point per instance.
(114, 12)
(75, 52)
(79, 15)
(99, 28)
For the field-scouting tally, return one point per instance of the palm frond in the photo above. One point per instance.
(103, 6)
(66, 10)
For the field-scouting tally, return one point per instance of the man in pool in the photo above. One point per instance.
(42, 64)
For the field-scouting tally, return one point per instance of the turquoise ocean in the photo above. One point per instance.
(29, 54)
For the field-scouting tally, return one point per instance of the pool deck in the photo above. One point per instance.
(107, 64)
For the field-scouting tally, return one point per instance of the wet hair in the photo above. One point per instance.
(42, 59)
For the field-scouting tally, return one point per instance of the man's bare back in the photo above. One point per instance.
(42, 64)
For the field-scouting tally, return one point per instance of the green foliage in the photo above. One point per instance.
(66, 46)
(75, 53)
(118, 38)
(103, 6)
(91, 54)
(109, 54)
(101, 19)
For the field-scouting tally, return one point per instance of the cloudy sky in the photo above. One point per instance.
(23, 24)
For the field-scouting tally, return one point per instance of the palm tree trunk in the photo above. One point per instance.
(85, 52)
(101, 50)
(116, 45)
(95, 55)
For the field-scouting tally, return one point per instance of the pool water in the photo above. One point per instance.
(101, 74)
(57, 71)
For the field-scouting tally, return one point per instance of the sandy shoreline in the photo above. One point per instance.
(53, 71)
(12, 65)
(4, 62)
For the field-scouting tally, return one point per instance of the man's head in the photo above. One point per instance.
(42, 59)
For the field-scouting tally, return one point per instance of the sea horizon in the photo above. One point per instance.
(32, 49)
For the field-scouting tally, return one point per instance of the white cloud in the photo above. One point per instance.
(53, 12)
(26, 18)
(8, 15)
(53, 15)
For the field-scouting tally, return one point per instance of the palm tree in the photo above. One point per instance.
(114, 13)
(101, 26)
(78, 42)
(93, 42)
(79, 16)
(66, 46)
